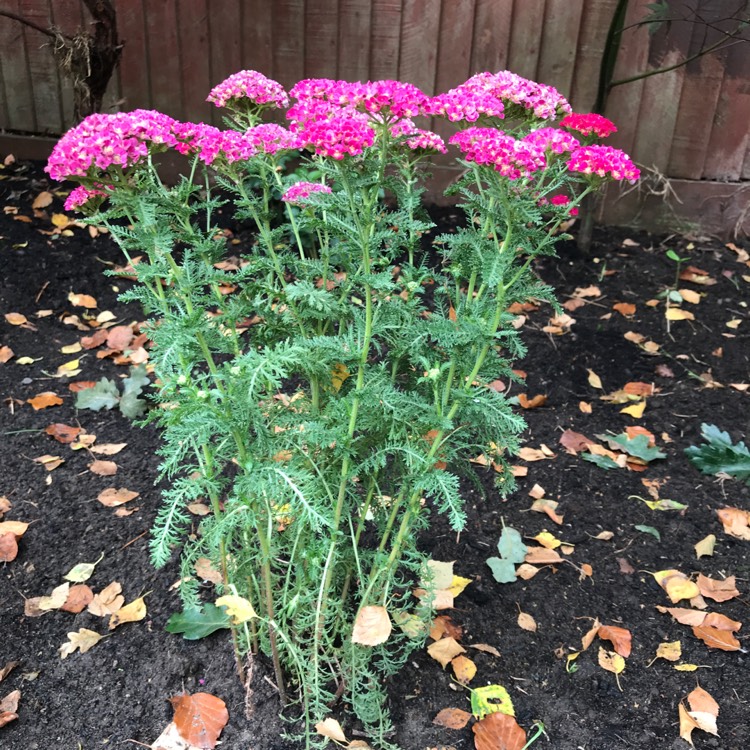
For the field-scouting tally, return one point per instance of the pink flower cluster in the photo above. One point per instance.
(298, 192)
(101, 141)
(512, 158)
(603, 161)
(591, 124)
(338, 135)
(80, 196)
(419, 140)
(552, 139)
(249, 84)
(490, 94)
(563, 200)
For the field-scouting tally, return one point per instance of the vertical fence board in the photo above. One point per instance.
(17, 80)
(385, 39)
(289, 41)
(623, 103)
(354, 39)
(595, 21)
(419, 40)
(164, 57)
(67, 16)
(492, 28)
(746, 165)
(257, 36)
(194, 46)
(526, 37)
(557, 54)
(321, 39)
(134, 63)
(692, 133)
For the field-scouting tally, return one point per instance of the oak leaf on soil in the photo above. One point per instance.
(498, 731)
(200, 718)
(81, 640)
(44, 400)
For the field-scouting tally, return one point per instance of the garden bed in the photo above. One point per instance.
(118, 690)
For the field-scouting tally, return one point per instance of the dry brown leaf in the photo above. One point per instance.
(8, 547)
(7, 669)
(736, 522)
(119, 338)
(533, 454)
(9, 707)
(445, 650)
(82, 300)
(372, 626)
(199, 509)
(15, 319)
(107, 601)
(574, 442)
(50, 463)
(715, 638)
(594, 380)
(705, 711)
(695, 617)
(107, 449)
(464, 669)
(112, 497)
(132, 612)
(63, 433)
(443, 625)
(332, 729)
(526, 572)
(719, 591)
(452, 718)
(625, 309)
(687, 724)
(526, 403)
(542, 556)
(527, 622)
(200, 718)
(588, 637)
(549, 507)
(42, 200)
(103, 468)
(44, 400)
(620, 638)
(56, 599)
(205, 570)
(81, 640)
(611, 661)
(498, 731)
(485, 648)
(79, 597)
(6, 354)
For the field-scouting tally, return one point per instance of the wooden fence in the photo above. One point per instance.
(690, 124)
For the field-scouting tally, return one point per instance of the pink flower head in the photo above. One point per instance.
(339, 134)
(563, 200)
(418, 140)
(270, 138)
(591, 124)
(101, 141)
(300, 191)
(552, 139)
(80, 196)
(466, 102)
(512, 158)
(251, 85)
(603, 161)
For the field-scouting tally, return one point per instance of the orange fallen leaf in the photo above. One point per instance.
(527, 403)
(625, 309)
(621, 638)
(9, 707)
(542, 556)
(372, 626)
(107, 601)
(103, 468)
(736, 522)
(79, 597)
(574, 442)
(498, 731)
(715, 638)
(8, 547)
(445, 650)
(119, 337)
(543, 505)
(6, 354)
(443, 625)
(719, 591)
(82, 300)
(200, 718)
(452, 718)
(464, 669)
(15, 319)
(112, 497)
(44, 400)
(63, 433)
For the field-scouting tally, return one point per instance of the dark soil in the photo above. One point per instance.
(118, 691)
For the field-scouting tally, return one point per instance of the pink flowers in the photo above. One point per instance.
(420, 140)
(591, 124)
(603, 161)
(251, 85)
(557, 141)
(511, 157)
(338, 135)
(298, 192)
(102, 141)
(80, 196)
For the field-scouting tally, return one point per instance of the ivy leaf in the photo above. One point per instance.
(195, 623)
(103, 395)
(719, 455)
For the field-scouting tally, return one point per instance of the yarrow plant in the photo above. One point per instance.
(324, 386)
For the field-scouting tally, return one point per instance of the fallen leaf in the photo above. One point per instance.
(491, 699)
(81, 300)
(332, 729)
(200, 718)
(703, 714)
(42, 200)
(677, 585)
(81, 640)
(486, 648)
(8, 547)
(611, 661)
(16, 319)
(671, 651)
(625, 309)
(526, 572)
(119, 338)
(736, 522)
(238, 608)
(372, 626)
(542, 556)
(452, 718)
(107, 449)
(715, 638)
(585, 407)
(445, 650)
(107, 601)
(464, 669)
(443, 625)
(677, 313)
(621, 638)
(44, 400)
(8, 668)
(635, 410)
(112, 497)
(543, 505)
(49, 462)
(82, 572)
(526, 403)
(588, 637)
(63, 433)
(594, 380)
(527, 622)
(605, 536)
(132, 612)
(574, 442)
(719, 591)
(534, 454)
(9, 707)
(103, 468)
(6, 354)
(498, 731)
(79, 597)
(56, 599)
(204, 569)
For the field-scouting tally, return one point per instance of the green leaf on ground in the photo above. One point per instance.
(130, 405)
(195, 623)
(649, 530)
(503, 571)
(603, 462)
(638, 447)
(103, 395)
(719, 455)
(511, 546)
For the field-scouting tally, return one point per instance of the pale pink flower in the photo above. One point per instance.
(251, 85)
(298, 192)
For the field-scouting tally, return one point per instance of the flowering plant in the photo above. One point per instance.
(324, 386)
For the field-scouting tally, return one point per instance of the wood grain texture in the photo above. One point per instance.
(492, 30)
(420, 25)
(16, 73)
(67, 15)
(526, 37)
(385, 39)
(257, 37)
(354, 39)
(225, 43)
(322, 38)
(560, 34)
(194, 45)
(162, 38)
(135, 79)
(289, 41)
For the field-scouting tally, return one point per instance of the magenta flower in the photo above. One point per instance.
(512, 158)
(298, 192)
(603, 161)
(346, 133)
(80, 196)
(591, 124)
(562, 200)
(552, 139)
(418, 140)
(249, 84)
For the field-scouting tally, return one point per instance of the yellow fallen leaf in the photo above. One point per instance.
(677, 313)
(445, 650)
(238, 608)
(635, 410)
(685, 667)
(132, 612)
(527, 622)
(611, 661)
(332, 729)
(594, 380)
(56, 599)
(464, 669)
(81, 640)
(458, 584)
(71, 348)
(372, 626)
(547, 540)
(677, 585)
(671, 651)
